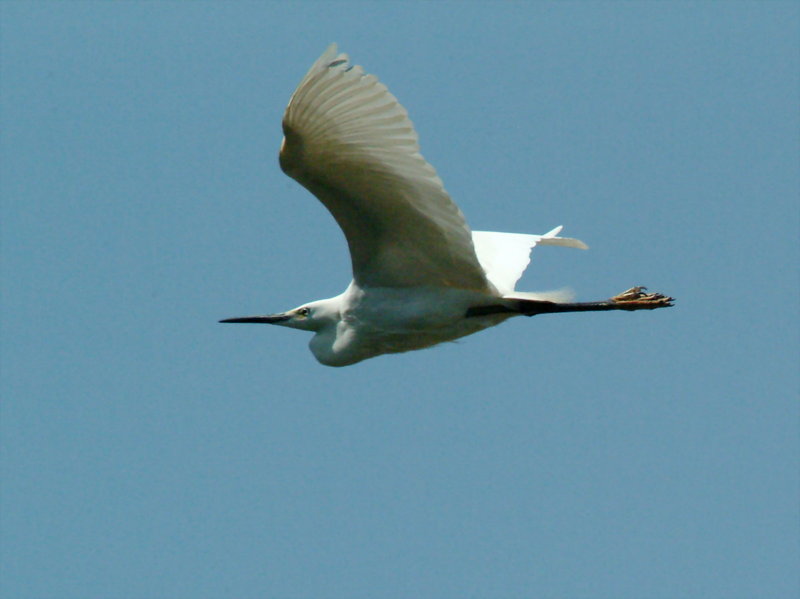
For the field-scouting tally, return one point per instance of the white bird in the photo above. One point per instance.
(420, 277)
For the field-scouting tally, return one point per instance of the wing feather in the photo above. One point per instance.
(349, 141)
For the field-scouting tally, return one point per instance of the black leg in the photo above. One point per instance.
(634, 298)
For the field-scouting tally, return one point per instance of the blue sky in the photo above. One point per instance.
(149, 452)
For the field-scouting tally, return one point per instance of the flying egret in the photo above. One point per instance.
(420, 277)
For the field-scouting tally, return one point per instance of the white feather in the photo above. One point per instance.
(505, 256)
(349, 142)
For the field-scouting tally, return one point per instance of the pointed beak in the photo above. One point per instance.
(268, 319)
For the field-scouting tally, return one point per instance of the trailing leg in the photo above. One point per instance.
(634, 298)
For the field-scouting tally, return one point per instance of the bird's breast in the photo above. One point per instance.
(387, 320)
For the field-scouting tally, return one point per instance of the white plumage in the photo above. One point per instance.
(420, 277)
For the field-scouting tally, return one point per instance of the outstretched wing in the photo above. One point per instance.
(349, 141)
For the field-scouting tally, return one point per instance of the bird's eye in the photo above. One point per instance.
(303, 312)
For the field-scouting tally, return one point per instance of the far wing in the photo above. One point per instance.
(349, 141)
(505, 256)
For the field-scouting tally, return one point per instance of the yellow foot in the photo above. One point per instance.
(635, 298)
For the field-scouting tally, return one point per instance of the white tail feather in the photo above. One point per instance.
(559, 296)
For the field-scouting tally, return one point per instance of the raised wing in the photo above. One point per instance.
(349, 141)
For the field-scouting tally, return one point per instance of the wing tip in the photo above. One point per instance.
(552, 238)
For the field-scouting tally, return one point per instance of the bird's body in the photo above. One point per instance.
(365, 322)
(420, 276)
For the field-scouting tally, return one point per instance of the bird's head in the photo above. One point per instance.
(308, 317)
